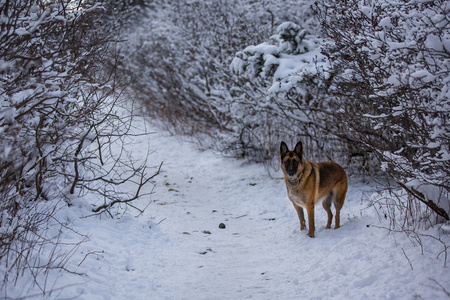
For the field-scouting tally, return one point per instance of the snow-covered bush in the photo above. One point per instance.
(179, 66)
(292, 52)
(181, 52)
(390, 69)
(295, 103)
(58, 122)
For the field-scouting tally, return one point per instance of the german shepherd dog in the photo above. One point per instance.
(308, 183)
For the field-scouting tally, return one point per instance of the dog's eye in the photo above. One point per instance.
(295, 164)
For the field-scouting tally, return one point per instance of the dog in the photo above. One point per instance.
(309, 183)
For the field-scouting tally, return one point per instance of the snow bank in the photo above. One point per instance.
(176, 250)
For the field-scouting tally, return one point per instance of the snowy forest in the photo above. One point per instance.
(365, 83)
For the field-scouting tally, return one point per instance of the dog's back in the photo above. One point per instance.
(332, 176)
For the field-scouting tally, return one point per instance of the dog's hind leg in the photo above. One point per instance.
(326, 203)
(337, 221)
(338, 203)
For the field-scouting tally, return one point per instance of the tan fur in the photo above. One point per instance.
(311, 183)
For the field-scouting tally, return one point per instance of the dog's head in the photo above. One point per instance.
(292, 161)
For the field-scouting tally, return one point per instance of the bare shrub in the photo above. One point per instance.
(390, 71)
(407, 215)
(60, 123)
(32, 246)
(389, 67)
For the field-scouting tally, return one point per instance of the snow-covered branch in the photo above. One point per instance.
(390, 62)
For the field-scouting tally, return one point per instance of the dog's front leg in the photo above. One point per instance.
(301, 216)
(312, 228)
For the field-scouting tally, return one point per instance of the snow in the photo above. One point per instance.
(394, 80)
(386, 22)
(434, 42)
(22, 95)
(424, 75)
(21, 31)
(176, 250)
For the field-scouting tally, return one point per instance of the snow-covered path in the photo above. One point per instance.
(176, 250)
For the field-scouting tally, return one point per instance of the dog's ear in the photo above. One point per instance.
(283, 150)
(299, 149)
